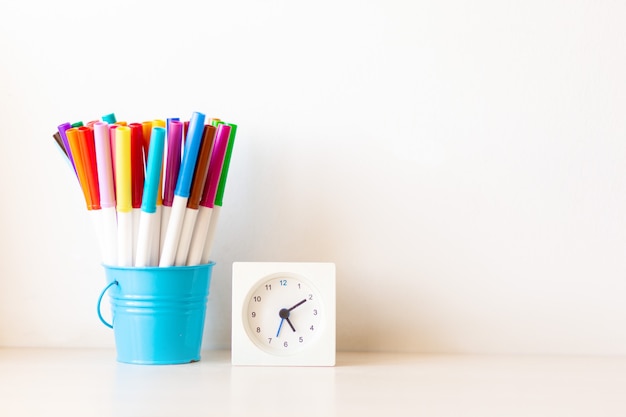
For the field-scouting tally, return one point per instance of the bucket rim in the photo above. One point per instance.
(210, 264)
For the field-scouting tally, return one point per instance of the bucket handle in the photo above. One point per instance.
(106, 323)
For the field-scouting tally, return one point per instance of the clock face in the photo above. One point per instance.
(283, 313)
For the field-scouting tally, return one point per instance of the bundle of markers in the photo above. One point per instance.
(154, 189)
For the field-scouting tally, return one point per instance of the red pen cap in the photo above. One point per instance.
(137, 174)
(147, 132)
(88, 153)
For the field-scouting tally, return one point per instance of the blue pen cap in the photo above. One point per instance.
(190, 155)
(153, 170)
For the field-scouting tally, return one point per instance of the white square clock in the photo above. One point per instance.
(283, 314)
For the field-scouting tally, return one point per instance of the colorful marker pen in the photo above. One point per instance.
(137, 175)
(210, 237)
(146, 237)
(156, 219)
(183, 186)
(74, 146)
(170, 174)
(205, 210)
(88, 155)
(123, 188)
(107, 192)
(197, 185)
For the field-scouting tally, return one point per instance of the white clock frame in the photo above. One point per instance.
(247, 277)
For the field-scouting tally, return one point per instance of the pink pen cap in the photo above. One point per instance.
(105, 164)
(215, 166)
(172, 165)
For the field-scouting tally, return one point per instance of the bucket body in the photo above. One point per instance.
(158, 313)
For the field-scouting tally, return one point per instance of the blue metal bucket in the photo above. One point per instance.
(158, 313)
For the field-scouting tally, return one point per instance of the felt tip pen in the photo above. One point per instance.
(88, 156)
(81, 141)
(137, 175)
(197, 185)
(74, 146)
(181, 193)
(210, 238)
(66, 145)
(156, 248)
(171, 168)
(107, 192)
(123, 196)
(147, 224)
(205, 211)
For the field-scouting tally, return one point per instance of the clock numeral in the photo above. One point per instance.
(258, 330)
(314, 312)
(300, 339)
(268, 287)
(283, 282)
(257, 298)
(286, 344)
(269, 340)
(310, 296)
(312, 328)
(253, 314)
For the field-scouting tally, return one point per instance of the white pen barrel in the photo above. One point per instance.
(174, 227)
(125, 238)
(136, 217)
(165, 219)
(144, 240)
(208, 245)
(185, 237)
(198, 239)
(155, 249)
(96, 219)
(109, 235)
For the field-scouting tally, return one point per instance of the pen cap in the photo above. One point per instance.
(88, 155)
(190, 155)
(74, 143)
(109, 118)
(219, 197)
(105, 164)
(153, 170)
(159, 201)
(216, 165)
(123, 169)
(172, 164)
(62, 129)
(136, 162)
(202, 167)
(147, 134)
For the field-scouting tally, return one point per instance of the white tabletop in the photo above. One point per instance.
(89, 382)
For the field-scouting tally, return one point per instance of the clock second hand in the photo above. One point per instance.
(280, 326)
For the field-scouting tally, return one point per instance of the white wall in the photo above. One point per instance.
(463, 163)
